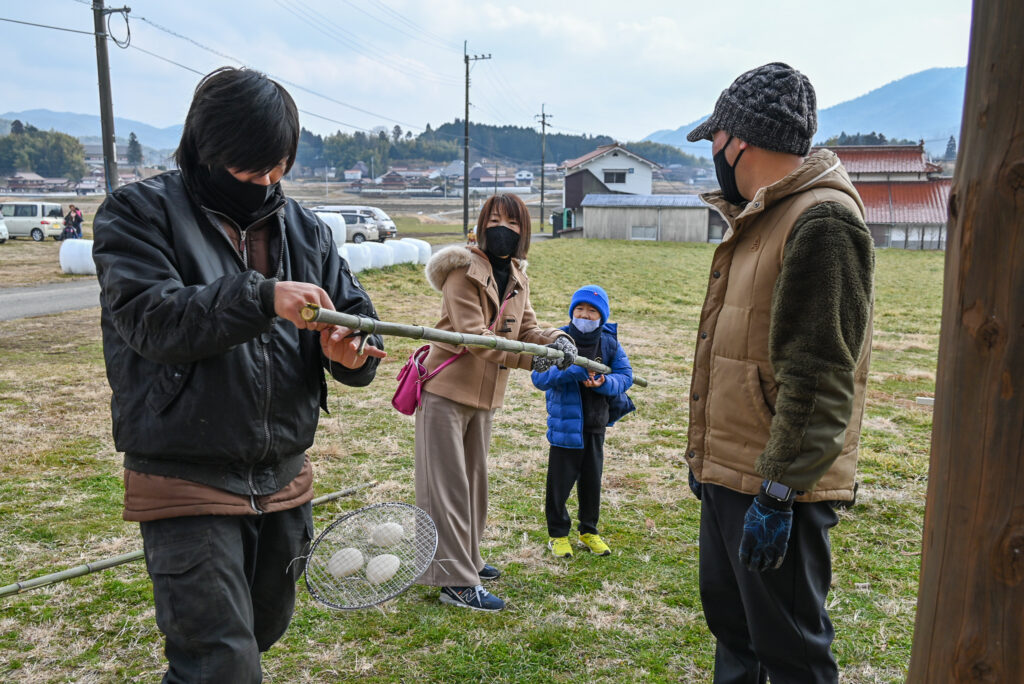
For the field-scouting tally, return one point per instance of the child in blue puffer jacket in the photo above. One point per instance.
(580, 406)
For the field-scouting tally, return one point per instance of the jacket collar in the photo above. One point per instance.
(822, 169)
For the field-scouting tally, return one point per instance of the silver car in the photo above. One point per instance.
(37, 220)
(3, 230)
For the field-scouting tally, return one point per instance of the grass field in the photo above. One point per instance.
(632, 616)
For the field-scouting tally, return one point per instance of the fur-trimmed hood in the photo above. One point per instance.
(446, 260)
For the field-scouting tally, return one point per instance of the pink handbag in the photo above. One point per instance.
(411, 378)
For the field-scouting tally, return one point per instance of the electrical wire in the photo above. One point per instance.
(398, 28)
(55, 28)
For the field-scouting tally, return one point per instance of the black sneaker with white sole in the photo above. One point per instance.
(476, 598)
(489, 572)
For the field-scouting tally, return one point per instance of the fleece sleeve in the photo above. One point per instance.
(821, 307)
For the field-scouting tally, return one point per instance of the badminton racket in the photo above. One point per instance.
(370, 555)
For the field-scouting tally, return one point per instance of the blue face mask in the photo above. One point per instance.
(585, 325)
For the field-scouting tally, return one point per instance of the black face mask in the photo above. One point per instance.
(727, 175)
(244, 203)
(501, 241)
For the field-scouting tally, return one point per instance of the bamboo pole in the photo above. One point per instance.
(88, 568)
(314, 313)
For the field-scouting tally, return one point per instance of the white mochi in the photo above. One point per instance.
(386, 534)
(382, 568)
(345, 562)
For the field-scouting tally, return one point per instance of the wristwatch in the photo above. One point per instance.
(778, 491)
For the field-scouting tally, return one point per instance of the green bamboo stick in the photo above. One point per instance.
(314, 313)
(81, 570)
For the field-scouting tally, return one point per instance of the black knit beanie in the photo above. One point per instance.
(772, 107)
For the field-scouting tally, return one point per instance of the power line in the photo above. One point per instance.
(314, 19)
(413, 25)
(397, 28)
(55, 28)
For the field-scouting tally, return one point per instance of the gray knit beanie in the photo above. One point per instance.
(772, 107)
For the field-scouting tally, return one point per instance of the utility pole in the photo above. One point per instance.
(495, 178)
(543, 139)
(971, 593)
(465, 145)
(99, 16)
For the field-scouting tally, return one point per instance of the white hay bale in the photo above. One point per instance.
(76, 257)
(405, 252)
(358, 257)
(381, 254)
(423, 246)
(337, 225)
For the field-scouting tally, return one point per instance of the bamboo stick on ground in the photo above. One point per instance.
(365, 324)
(94, 566)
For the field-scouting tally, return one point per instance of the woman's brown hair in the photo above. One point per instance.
(512, 206)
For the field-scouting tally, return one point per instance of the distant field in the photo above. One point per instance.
(632, 616)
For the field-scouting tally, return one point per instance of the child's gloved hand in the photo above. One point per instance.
(564, 344)
(766, 529)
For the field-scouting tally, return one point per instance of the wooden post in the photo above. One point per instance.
(970, 609)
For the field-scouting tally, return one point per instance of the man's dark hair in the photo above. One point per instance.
(239, 119)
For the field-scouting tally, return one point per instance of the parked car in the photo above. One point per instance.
(37, 220)
(3, 230)
(386, 228)
(360, 227)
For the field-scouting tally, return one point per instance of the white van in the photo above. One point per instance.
(37, 220)
(386, 228)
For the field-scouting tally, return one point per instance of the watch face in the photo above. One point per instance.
(777, 490)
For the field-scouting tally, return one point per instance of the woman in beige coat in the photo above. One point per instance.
(484, 292)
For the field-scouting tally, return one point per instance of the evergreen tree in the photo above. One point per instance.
(951, 149)
(17, 128)
(134, 149)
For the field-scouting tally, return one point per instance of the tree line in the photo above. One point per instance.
(47, 153)
(510, 145)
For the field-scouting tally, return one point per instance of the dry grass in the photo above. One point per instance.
(634, 615)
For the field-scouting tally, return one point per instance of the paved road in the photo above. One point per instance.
(20, 302)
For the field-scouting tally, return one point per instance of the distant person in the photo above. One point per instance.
(217, 380)
(581, 405)
(76, 219)
(778, 384)
(484, 291)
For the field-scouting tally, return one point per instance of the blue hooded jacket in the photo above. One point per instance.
(562, 389)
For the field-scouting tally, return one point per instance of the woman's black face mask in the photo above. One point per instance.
(727, 175)
(501, 241)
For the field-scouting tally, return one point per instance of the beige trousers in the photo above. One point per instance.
(452, 441)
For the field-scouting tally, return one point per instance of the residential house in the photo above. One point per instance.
(905, 197)
(610, 169)
(94, 154)
(524, 177)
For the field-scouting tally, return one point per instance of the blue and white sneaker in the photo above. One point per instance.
(476, 598)
(489, 572)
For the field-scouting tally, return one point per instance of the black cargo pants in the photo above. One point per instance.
(224, 588)
(770, 624)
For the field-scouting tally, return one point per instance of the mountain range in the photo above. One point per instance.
(88, 126)
(925, 106)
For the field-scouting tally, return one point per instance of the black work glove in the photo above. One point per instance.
(766, 529)
(695, 486)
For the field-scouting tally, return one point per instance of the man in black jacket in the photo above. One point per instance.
(217, 380)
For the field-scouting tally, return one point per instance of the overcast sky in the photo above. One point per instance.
(623, 69)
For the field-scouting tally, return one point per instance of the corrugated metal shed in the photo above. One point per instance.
(646, 201)
(925, 202)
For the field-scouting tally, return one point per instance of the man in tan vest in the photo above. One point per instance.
(777, 392)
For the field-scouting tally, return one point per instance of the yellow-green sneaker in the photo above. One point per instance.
(595, 544)
(560, 547)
